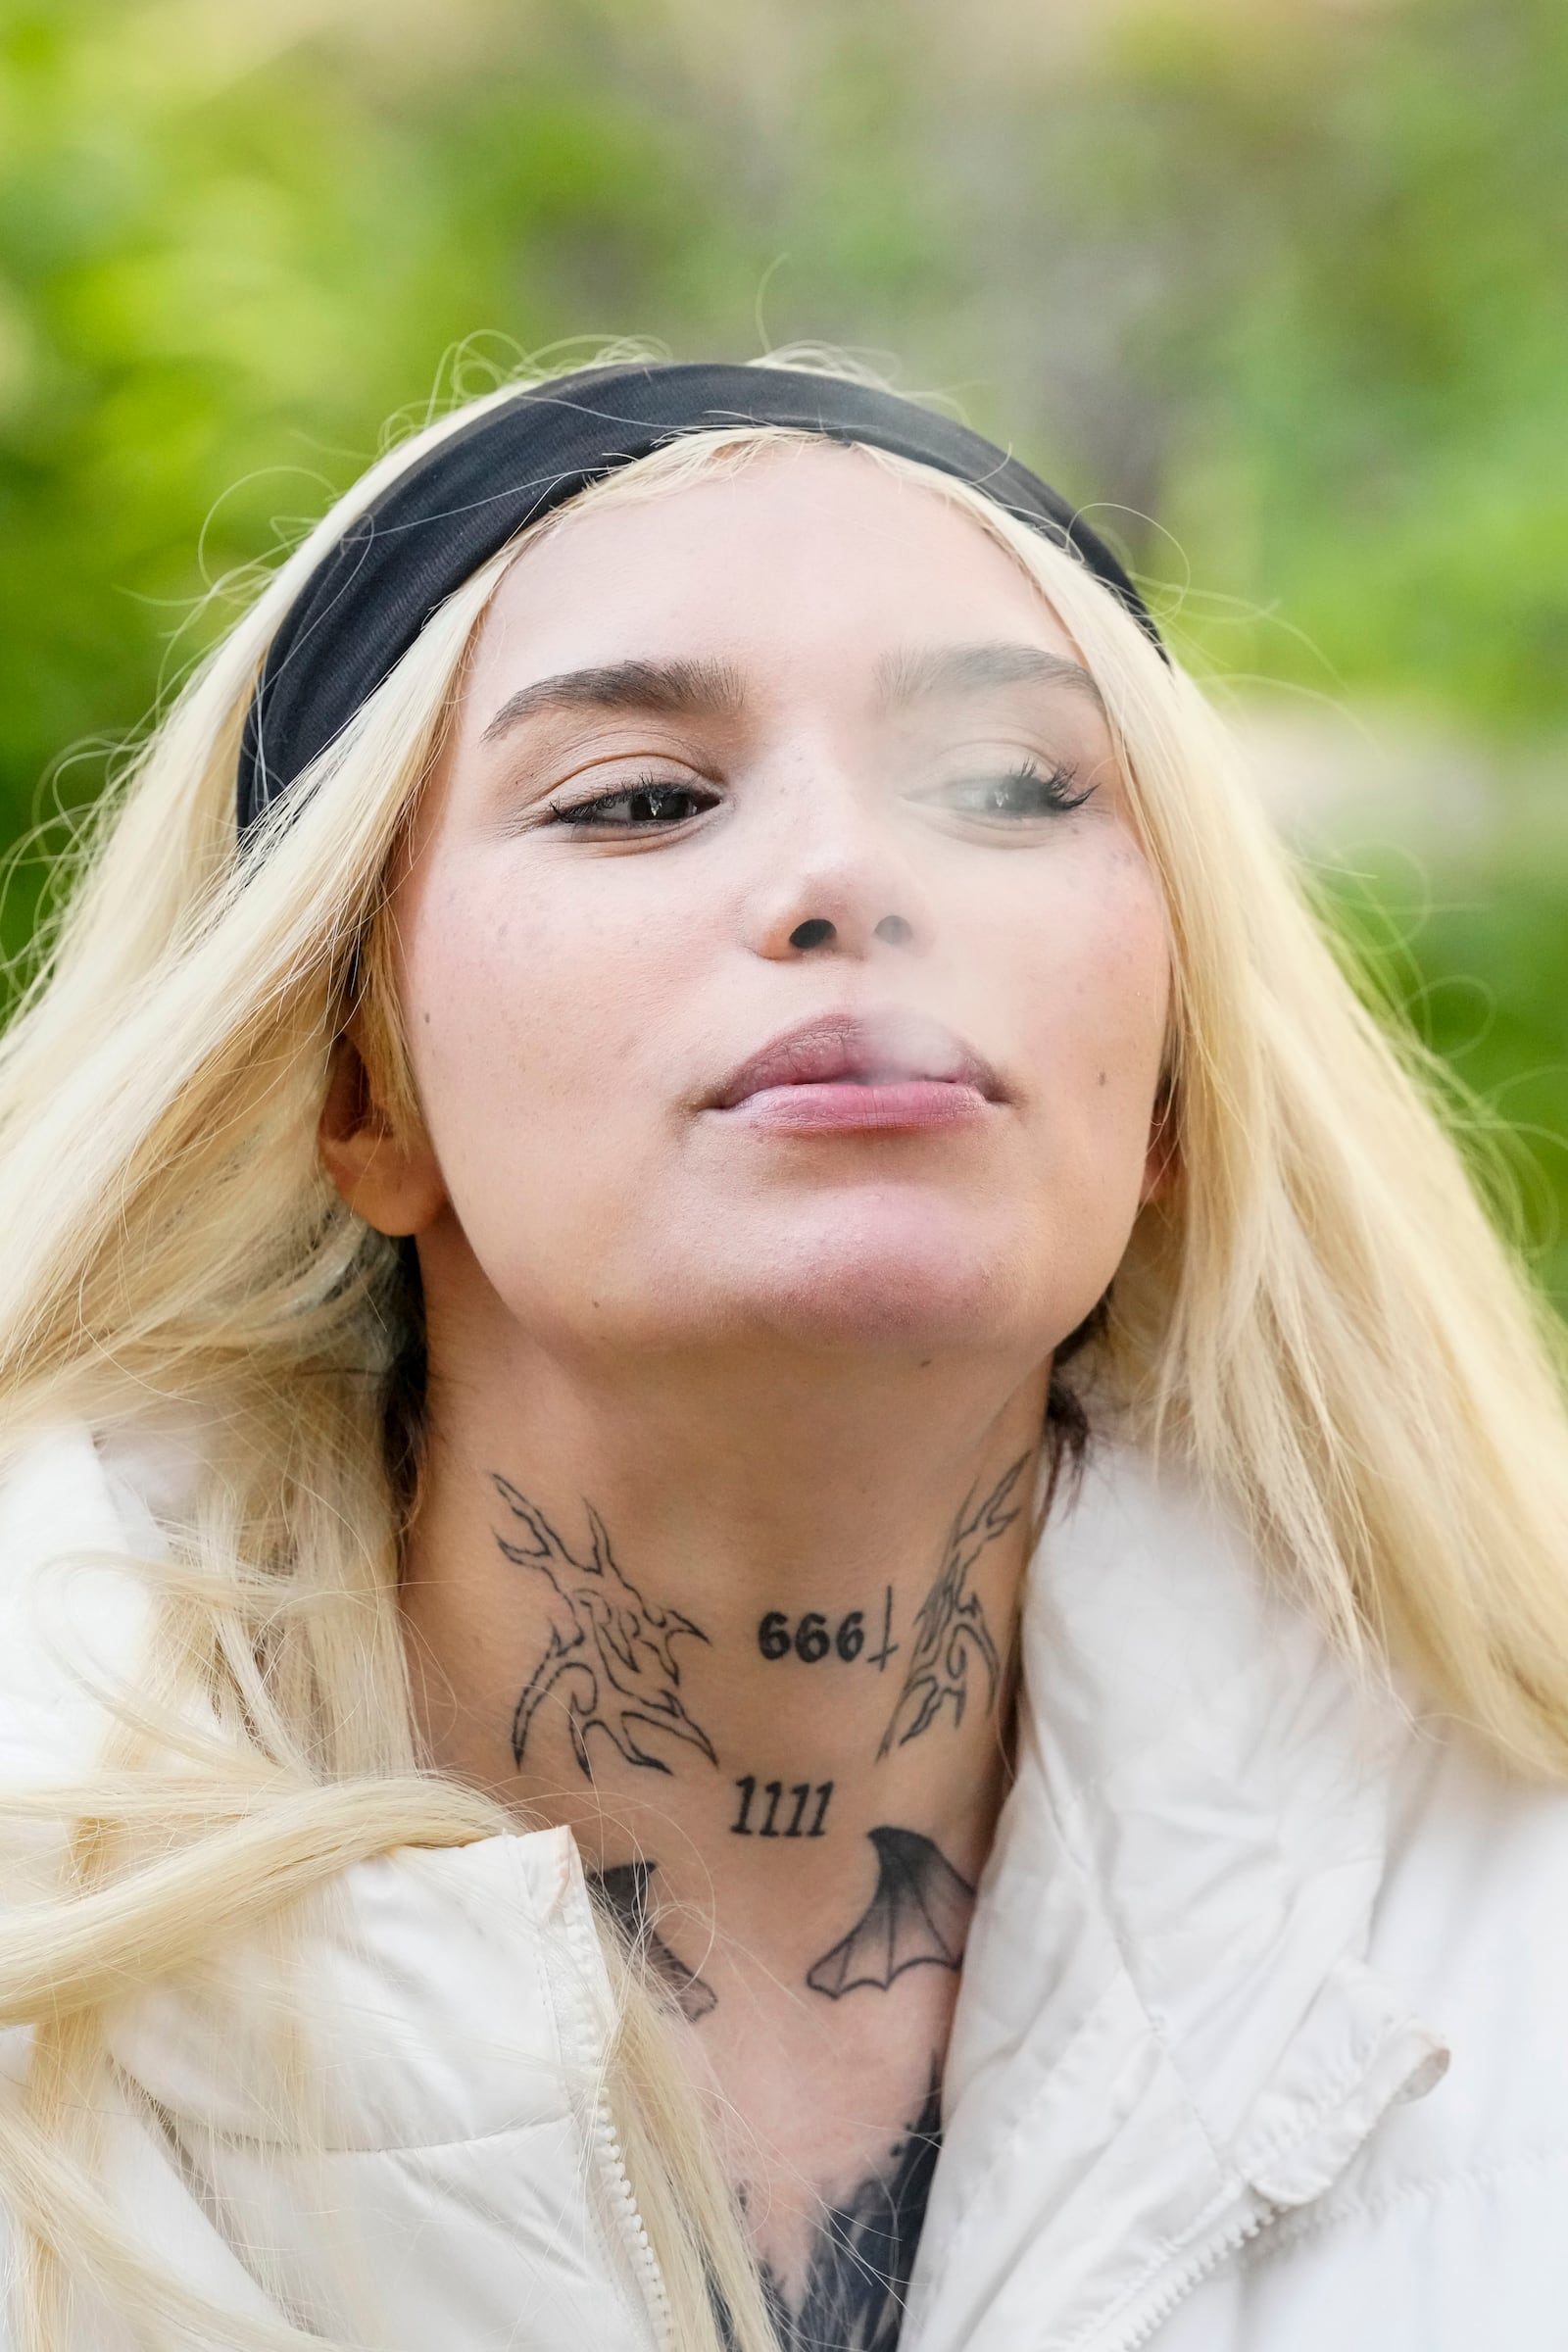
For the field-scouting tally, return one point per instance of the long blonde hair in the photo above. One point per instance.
(1315, 1315)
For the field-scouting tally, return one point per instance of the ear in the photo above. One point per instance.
(1161, 1158)
(391, 1181)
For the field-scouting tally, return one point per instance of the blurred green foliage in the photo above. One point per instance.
(1287, 275)
(1477, 961)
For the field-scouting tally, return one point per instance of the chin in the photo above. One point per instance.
(891, 1281)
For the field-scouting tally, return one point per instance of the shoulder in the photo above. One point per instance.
(460, 1992)
(460, 2148)
(1450, 2229)
(1472, 1921)
(453, 2005)
(420, 1955)
(1456, 2263)
(72, 1609)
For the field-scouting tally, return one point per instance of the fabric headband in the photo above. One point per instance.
(367, 600)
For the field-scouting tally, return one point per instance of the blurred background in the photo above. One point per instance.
(1279, 286)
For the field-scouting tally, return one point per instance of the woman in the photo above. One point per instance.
(748, 1048)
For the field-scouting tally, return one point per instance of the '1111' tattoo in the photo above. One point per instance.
(767, 1823)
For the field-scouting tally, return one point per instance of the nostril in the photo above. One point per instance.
(894, 930)
(817, 933)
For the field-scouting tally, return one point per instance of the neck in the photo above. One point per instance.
(625, 1605)
(754, 1642)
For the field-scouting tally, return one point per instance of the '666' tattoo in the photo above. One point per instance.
(811, 1638)
(613, 1649)
(950, 1626)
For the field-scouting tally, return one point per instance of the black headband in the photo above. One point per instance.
(366, 601)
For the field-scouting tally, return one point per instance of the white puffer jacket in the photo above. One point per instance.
(1200, 2096)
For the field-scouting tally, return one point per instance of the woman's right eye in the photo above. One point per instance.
(649, 804)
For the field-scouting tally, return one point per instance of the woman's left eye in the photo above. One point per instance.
(1022, 791)
(648, 805)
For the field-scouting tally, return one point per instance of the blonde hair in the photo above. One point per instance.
(1316, 1314)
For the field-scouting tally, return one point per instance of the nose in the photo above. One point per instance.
(846, 893)
(818, 932)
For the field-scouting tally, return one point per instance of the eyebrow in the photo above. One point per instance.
(672, 689)
(717, 689)
(930, 673)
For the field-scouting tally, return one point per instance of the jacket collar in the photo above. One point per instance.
(1170, 2026)
(1168, 2030)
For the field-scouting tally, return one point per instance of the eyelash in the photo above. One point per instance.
(1055, 785)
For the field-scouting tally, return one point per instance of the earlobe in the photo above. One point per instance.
(391, 1181)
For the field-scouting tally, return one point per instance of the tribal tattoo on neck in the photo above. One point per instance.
(614, 1651)
(612, 1655)
(950, 1626)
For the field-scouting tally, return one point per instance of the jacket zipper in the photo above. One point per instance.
(613, 2156)
(654, 2292)
(1224, 2243)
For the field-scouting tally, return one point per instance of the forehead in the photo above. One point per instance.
(802, 554)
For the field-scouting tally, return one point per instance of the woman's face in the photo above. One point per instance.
(792, 763)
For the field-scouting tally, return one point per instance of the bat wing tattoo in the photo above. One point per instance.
(918, 1913)
(623, 1888)
(614, 1651)
(950, 1626)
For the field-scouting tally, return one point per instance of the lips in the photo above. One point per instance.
(886, 1053)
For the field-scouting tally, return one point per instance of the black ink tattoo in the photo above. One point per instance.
(623, 1888)
(812, 1640)
(796, 1814)
(617, 1649)
(950, 1624)
(858, 2280)
(885, 1649)
(918, 1913)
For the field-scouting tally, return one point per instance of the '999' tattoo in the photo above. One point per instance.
(614, 1649)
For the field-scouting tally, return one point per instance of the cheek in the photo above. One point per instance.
(524, 1015)
(1097, 993)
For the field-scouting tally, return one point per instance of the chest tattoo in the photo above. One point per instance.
(857, 2280)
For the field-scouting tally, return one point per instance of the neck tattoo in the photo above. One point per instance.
(611, 1660)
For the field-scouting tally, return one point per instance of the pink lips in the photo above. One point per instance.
(853, 1073)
